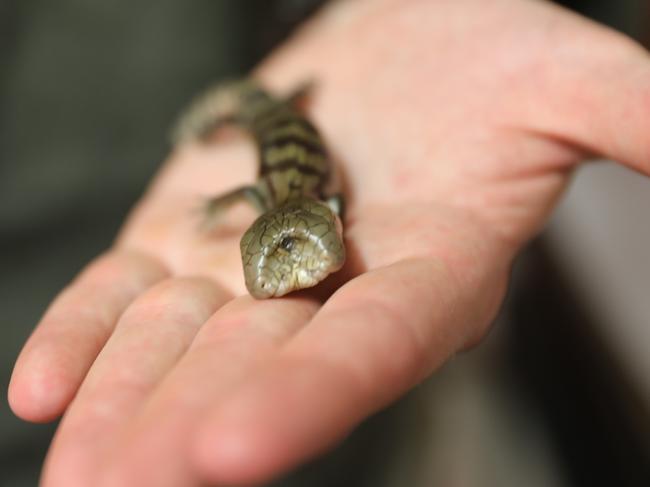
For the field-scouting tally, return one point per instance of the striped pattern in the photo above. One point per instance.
(293, 158)
(297, 240)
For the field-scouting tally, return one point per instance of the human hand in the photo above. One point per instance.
(457, 123)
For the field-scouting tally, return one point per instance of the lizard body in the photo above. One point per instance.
(297, 240)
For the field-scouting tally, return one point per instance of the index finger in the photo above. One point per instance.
(57, 356)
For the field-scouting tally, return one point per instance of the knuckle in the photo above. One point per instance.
(179, 300)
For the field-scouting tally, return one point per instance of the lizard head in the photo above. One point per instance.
(292, 247)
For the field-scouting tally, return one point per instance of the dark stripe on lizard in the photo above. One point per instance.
(311, 146)
(277, 118)
(291, 164)
(295, 152)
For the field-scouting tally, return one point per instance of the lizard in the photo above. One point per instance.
(297, 240)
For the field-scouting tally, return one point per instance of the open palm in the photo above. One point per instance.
(456, 124)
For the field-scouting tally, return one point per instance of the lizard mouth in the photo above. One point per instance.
(305, 278)
(271, 284)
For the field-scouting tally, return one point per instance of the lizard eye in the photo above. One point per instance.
(287, 243)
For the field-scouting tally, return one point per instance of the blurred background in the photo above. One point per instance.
(559, 395)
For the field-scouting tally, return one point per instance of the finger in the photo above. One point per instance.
(240, 338)
(593, 88)
(376, 337)
(149, 339)
(57, 356)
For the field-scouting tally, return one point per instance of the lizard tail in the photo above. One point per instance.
(227, 102)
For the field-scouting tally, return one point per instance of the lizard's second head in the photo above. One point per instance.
(291, 247)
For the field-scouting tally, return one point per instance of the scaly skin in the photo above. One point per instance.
(292, 247)
(298, 240)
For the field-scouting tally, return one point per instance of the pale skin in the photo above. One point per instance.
(457, 124)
